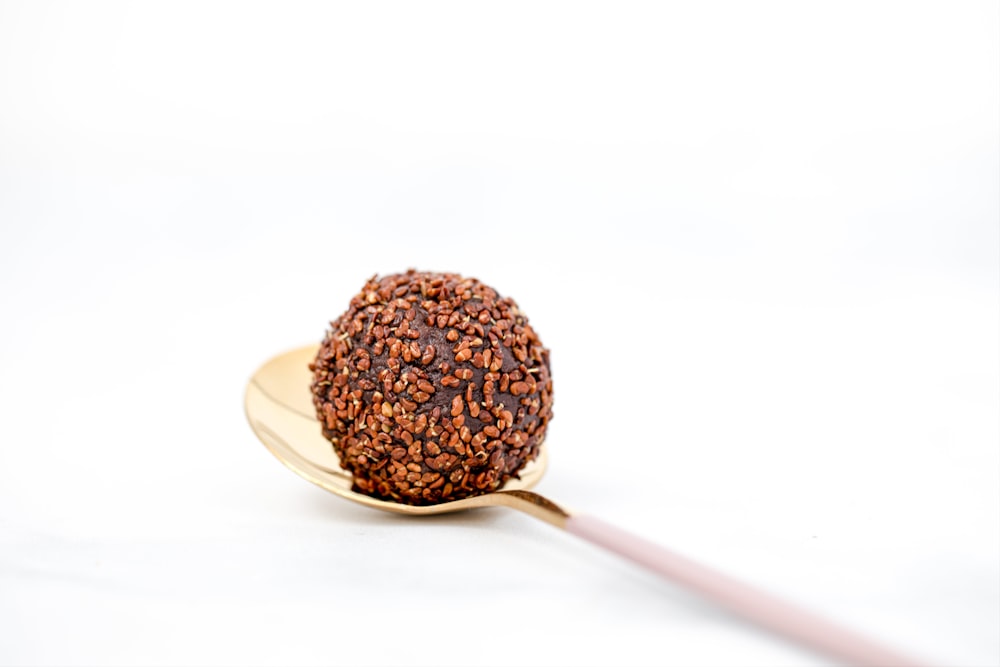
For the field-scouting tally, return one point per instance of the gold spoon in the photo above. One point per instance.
(280, 410)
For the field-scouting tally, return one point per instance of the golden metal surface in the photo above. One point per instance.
(279, 407)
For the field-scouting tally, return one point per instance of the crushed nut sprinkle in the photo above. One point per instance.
(432, 387)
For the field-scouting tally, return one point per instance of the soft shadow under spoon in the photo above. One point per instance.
(279, 408)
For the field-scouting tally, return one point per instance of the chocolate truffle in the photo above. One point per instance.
(432, 387)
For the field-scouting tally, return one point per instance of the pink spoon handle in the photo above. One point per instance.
(755, 605)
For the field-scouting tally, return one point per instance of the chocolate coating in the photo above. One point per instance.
(432, 387)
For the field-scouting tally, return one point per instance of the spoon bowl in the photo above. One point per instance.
(279, 408)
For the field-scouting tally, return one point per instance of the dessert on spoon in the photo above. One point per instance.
(432, 393)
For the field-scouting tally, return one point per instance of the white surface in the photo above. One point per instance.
(766, 235)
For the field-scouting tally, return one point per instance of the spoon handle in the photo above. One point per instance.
(753, 604)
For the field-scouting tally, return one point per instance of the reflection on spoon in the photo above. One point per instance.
(279, 408)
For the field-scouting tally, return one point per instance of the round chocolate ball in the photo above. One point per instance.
(432, 387)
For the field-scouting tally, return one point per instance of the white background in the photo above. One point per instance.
(761, 240)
